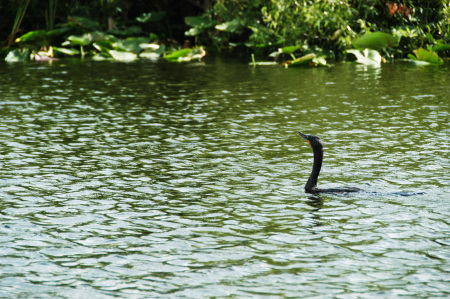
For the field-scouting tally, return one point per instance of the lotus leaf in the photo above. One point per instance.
(185, 55)
(66, 51)
(150, 55)
(123, 56)
(177, 54)
(307, 60)
(425, 57)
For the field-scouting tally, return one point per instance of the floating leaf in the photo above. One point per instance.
(306, 60)
(367, 57)
(152, 55)
(123, 56)
(426, 56)
(66, 51)
(263, 63)
(177, 54)
(185, 55)
(320, 61)
(376, 40)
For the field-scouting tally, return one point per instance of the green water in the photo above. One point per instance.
(157, 180)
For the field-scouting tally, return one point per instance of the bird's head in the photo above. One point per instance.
(313, 140)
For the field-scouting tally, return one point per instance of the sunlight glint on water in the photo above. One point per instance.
(143, 179)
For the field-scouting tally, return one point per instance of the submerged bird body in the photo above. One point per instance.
(311, 184)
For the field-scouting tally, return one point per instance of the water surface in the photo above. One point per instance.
(126, 180)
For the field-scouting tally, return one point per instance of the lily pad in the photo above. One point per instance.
(185, 55)
(310, 59)
(177, 54)
(123, 56)
(425, 57)
(376, 40)
(67, 51)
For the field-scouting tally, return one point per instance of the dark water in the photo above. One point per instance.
(134, 180)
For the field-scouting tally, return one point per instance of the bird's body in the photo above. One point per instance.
(311, 184)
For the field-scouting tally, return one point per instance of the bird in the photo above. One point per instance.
(311, 185)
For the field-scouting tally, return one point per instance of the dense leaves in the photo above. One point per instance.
(325, 28)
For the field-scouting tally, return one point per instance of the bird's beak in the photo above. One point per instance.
(303, 136)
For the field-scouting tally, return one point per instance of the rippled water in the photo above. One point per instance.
(168, 180)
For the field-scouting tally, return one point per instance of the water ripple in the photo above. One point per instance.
(135, 180)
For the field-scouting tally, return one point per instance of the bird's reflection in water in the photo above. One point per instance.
(316, 202)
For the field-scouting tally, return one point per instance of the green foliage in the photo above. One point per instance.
(324, 27)
(306, 60)
(423, 56)
(32, 36)
(151, 16)
(376, 40)
(185, 55)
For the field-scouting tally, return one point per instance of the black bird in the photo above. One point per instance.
(311, 184)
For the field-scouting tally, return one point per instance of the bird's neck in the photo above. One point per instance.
(311, 184)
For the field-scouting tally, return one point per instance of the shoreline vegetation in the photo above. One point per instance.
(292, 33)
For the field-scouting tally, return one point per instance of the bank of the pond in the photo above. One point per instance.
(285, 30)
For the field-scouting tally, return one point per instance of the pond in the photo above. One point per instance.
(131, 180)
